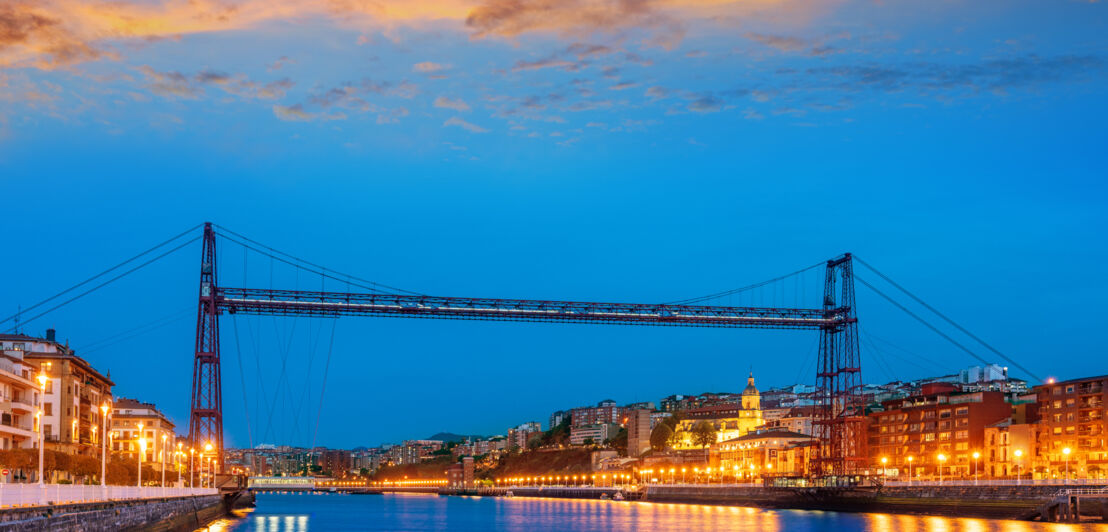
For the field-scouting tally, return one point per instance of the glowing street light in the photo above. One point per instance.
(1066, 451)
(142, 454)
(42, 379)
(976, 455)
(884, 469)
(910, 458)
(103, 443)
(1018, 453)
(942, 458)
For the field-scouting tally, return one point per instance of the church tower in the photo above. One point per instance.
(752, 399)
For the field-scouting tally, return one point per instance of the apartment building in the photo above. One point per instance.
(1073, 429)
(75, 391)
(19, 394)
(157, 431)
(940, 427)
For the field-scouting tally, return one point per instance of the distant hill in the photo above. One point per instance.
(450, 436)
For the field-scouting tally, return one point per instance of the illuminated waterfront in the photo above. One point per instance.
(304, 512)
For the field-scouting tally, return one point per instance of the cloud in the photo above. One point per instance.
(296, 113)
(785, 44)
(997, 75)
(447, 103)
(510, 18)
(178, 85)
(657, 93)
(279, 63)
(428, 67)
(706, 104)
(550, 62)
(623, 86)
(458, 122)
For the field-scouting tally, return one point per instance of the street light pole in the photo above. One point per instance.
(1018, 454)
(1066, 451)
(976, 455)
(163, 458)
(142, 454)
(942, 458)
(42, 378)
(192, 467)
(103, 443)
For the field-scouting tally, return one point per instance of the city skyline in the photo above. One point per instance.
(590, 151)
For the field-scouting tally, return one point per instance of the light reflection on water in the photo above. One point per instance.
(325, 512)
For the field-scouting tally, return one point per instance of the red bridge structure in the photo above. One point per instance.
(838, 375)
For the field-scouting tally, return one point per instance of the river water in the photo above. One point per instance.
(399, 512)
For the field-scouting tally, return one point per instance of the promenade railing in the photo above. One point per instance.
(17, 495)
(1004, 482)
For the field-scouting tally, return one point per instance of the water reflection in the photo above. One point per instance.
(299, 512)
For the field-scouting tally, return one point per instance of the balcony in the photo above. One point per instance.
(1093, 387)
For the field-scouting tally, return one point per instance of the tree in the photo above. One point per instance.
(660, 437)
(703, 434)
(534, 443)
(588, 441)
(619, 442)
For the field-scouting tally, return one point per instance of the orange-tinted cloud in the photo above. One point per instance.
(55, 33)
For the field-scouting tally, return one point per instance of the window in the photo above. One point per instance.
(964, 411)
(961, 435)
(1069, 389)
(944, 436)
(1057, 390)
(961, 422)
(47, 430)
(48, 409)
(1057, 404)
(930, 436)
(49, 386)
(944, 414)
(961, 446)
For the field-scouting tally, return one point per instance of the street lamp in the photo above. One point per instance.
(884, 469)
(192, 467)
(942, 458)
(976, 455)
(683, 475)
(42, 379)
(207, 449)
(1018, 453)
(1066, 451)
(910, 458)
(142, 453)
(103, 443)
(164, 437)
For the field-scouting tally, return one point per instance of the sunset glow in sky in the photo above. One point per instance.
(611, 150)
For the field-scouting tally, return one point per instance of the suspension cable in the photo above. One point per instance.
(934, 310)
(742, 289)
(97, 276)
(105, 283)
(323, 387)
(322, 270)
(942, 334)
(242, 381)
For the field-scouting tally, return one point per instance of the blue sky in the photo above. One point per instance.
(644, 150)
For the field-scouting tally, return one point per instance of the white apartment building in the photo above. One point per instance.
(19, 394)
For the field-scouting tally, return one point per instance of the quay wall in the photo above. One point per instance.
(168, 514)
(1007, 502)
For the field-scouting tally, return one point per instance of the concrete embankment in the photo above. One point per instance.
(1008, 502)
(168, 514)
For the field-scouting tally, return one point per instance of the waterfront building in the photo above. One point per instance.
(598, 433)
(126, 416)
(335, 462)
(416, 451)
(605, 411)
(762, 453)
(1073, 417)
(1002, 440)
(74, 393)
(940, 427)
(19, 395)
(797, 419)
(638, 432)
(730, 420)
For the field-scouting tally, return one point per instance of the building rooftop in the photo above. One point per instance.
(771, 434)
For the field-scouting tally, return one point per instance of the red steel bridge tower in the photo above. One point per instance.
(838, 374)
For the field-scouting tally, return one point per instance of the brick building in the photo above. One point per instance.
(1073, 417)
(605, 411)
(939, 422)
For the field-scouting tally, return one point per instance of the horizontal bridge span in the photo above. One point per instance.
(332, 304)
